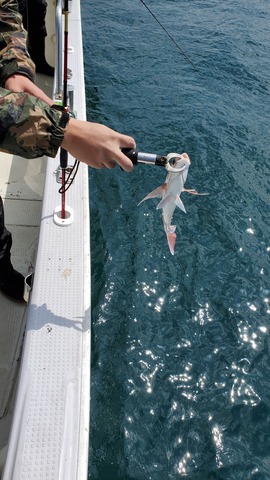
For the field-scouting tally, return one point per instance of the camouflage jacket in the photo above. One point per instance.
(28, 126)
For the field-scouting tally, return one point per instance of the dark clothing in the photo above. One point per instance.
(33, 13)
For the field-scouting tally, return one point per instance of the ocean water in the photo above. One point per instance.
(180, 384)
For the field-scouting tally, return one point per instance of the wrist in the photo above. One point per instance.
(70, 131)
(65, 117)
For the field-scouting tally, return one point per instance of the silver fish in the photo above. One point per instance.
(170, 192)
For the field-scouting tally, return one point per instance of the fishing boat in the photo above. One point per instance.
(45, 343)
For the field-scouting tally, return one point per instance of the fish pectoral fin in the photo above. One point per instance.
(157, 193)
(180, 204)
(171, 237)
(194, 192)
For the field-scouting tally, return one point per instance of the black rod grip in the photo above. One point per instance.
(63, 158)
(131, 153)
(147, 158)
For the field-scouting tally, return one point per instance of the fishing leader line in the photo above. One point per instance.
(170, 36)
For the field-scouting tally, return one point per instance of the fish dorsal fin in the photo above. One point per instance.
(180, 204)
(157, 193)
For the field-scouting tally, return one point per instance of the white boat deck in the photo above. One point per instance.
(44, 411)
(21, 187)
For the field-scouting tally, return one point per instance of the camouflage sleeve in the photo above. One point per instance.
(28, 126)
(14, 57)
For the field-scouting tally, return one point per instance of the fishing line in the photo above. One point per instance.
(70, 179)
(170, 36)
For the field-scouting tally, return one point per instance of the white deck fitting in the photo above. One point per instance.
(49, 437)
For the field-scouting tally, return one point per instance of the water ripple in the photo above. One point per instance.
(180, 345)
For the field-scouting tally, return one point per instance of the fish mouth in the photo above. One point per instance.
(183, 158)
(171, 169)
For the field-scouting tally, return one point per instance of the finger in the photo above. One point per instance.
(127, 142)
(121, 159)
(110, 165)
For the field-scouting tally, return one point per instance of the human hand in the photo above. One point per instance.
(97, 145)
(21, 83)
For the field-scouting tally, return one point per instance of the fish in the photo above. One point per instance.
(170, 193)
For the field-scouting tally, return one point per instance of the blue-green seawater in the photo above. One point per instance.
(180, 383)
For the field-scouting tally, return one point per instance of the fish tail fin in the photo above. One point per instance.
(171, 237)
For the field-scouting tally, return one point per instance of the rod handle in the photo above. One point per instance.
(146, 158)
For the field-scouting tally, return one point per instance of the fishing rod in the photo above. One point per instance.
(63, 152)
(65, 174)
(170, 36)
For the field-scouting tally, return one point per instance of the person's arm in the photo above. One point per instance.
(20, 83)
(14, 56)
(31, 128)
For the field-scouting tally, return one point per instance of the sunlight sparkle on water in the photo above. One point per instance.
(218, 440)
(266, 300)
(202, 381)
(158, 306)
(203, 316)
(242, 393)
(147, 290)
(183, 377)
(252, 307)
(182, 465)
(149, 378)
(150, 354)
(247, 334)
